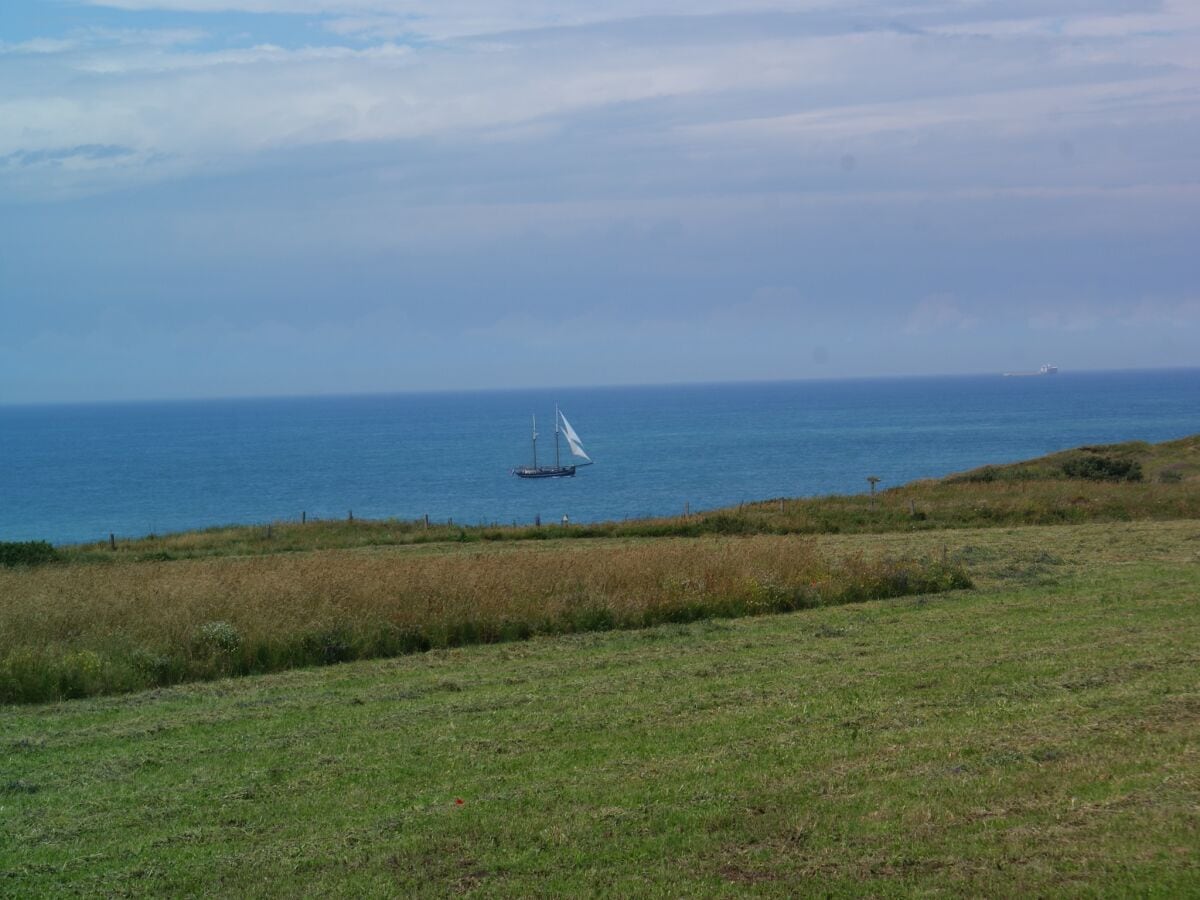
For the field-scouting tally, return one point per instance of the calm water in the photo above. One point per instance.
(76, 473)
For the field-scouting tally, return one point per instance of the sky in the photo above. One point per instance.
(208, 198)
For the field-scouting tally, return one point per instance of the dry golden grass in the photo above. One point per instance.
(88, 628)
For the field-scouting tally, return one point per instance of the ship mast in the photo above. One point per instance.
(535, 441)
(557, 464)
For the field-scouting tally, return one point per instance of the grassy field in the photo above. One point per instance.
(82, 629)
(1036, 735)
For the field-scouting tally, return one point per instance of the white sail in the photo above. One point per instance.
(577, 450)
(572, 438)
(567, 429)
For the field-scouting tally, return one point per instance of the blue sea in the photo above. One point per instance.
(75, 473)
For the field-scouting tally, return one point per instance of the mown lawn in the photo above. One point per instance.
(1037, 735)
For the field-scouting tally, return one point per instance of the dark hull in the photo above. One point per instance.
(544, 472)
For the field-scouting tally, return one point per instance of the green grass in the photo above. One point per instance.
(1035, 735)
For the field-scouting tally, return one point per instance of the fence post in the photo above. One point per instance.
(112, 541)
(303, 517)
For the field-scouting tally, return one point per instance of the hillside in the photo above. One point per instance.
(698, 707)
(1170, 462)
(1032, 735)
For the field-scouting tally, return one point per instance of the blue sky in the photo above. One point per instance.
(247, 197)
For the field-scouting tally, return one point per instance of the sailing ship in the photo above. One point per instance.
(558, 470)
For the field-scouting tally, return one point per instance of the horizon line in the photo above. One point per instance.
(333, 395)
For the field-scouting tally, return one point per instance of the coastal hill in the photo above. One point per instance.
(1169, 462)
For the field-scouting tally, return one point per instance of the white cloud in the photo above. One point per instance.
(939, 312)
(741, 97)
(1074, 318)
(1155, 311)
(38, 45)
(441, 19)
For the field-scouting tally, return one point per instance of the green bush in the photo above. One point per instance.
(1102, 468)
(27, 553)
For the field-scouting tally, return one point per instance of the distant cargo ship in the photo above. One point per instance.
(1047, 369)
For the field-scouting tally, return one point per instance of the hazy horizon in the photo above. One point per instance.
(220, 198)
(567, 388)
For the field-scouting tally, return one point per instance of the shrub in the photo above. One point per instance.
(1102, 468)
(724, 523)
(217, 639)
(27, 553)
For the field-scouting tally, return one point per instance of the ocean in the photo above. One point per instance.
(75, 473)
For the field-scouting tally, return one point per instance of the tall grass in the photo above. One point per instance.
(78, 629)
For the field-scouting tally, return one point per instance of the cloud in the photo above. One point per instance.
(1074, 318)
(939, 312)
(38, 45)
(698, 87)
(1158, 311)
(60, 155)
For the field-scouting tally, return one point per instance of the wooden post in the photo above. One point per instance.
(537, 520)
(303, 517)
(912, 508)
(781, 504)
(687, 509)
(874, 480)
(350, 518)
(426, 521)
(268, 531)
(112, 541)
